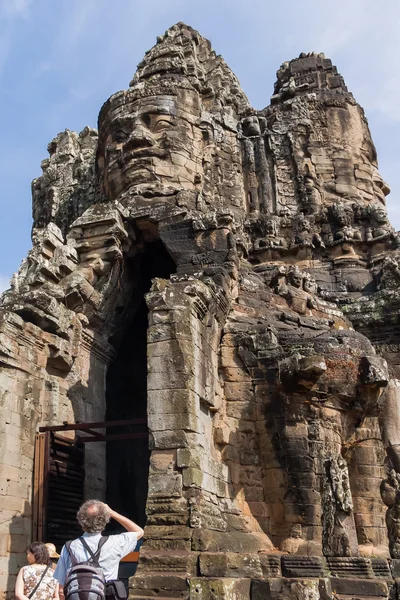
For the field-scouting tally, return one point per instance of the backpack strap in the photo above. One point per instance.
(73, 559)
(95, 557)
(102, 541)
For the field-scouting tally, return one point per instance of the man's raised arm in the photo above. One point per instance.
(126, 523)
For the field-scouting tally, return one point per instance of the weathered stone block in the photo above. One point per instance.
(233, 541)
(270, 589)
(221, 588)
(169, 484)
(169, 439)
(183, 562)
(189, 457)
(241, 392)
(166, 584)
(270, 564)
(230, 565)
(359, 587)
(304, 566)
(185, 420)
(192, 477)
(162, 460)
(161, 380)
(172, 401)
(286, 589)
(179, 532)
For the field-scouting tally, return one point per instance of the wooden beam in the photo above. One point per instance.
(41, 475)
(36, 502)
(46, 473)
(96, 425)
(94, 433)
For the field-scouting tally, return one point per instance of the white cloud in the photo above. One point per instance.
(4, 282)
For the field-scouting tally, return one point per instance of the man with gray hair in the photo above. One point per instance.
(93, 517)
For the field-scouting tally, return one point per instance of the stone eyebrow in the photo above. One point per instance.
(155, 110)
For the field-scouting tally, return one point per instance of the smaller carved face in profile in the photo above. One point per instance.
(381, 188)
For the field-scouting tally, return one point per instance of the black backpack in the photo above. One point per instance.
(85, 580)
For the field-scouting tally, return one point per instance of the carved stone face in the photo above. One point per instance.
(295, 278)
(152, 144)
(379, 213)
(159, 145)
(340, 215)
(310, 285)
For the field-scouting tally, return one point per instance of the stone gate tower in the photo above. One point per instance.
(231, 276)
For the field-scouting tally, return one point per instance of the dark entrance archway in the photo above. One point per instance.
(126, 386)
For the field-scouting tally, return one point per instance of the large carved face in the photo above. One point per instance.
(160, 144)
(151, 143)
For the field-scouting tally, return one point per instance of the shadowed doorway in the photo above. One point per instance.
(126, 389)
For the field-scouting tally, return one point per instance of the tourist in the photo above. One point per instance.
(53, 554)
(36, 580)
(93, 517)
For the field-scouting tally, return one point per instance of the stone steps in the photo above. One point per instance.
(204, 576)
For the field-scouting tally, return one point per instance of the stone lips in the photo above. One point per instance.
(272, 355)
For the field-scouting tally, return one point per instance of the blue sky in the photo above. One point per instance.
(61, 59)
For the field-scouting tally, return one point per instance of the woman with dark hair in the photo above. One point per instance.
(36, 580)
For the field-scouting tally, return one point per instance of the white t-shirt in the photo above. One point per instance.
(115, 548)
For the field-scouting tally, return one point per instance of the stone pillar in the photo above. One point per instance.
(191, 506)
(366, 473)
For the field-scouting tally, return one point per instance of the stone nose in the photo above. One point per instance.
(139, 138)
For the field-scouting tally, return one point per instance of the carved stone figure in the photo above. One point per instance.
(290, 285)
(342, 218)
(230, 277)
(305, 236)
(380, 219)
(313, 195)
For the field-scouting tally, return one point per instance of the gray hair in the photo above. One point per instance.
(93, 516)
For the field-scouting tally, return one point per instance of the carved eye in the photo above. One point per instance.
(146, 120)
(162, 125)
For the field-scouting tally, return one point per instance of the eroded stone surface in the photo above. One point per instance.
(261, 243)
